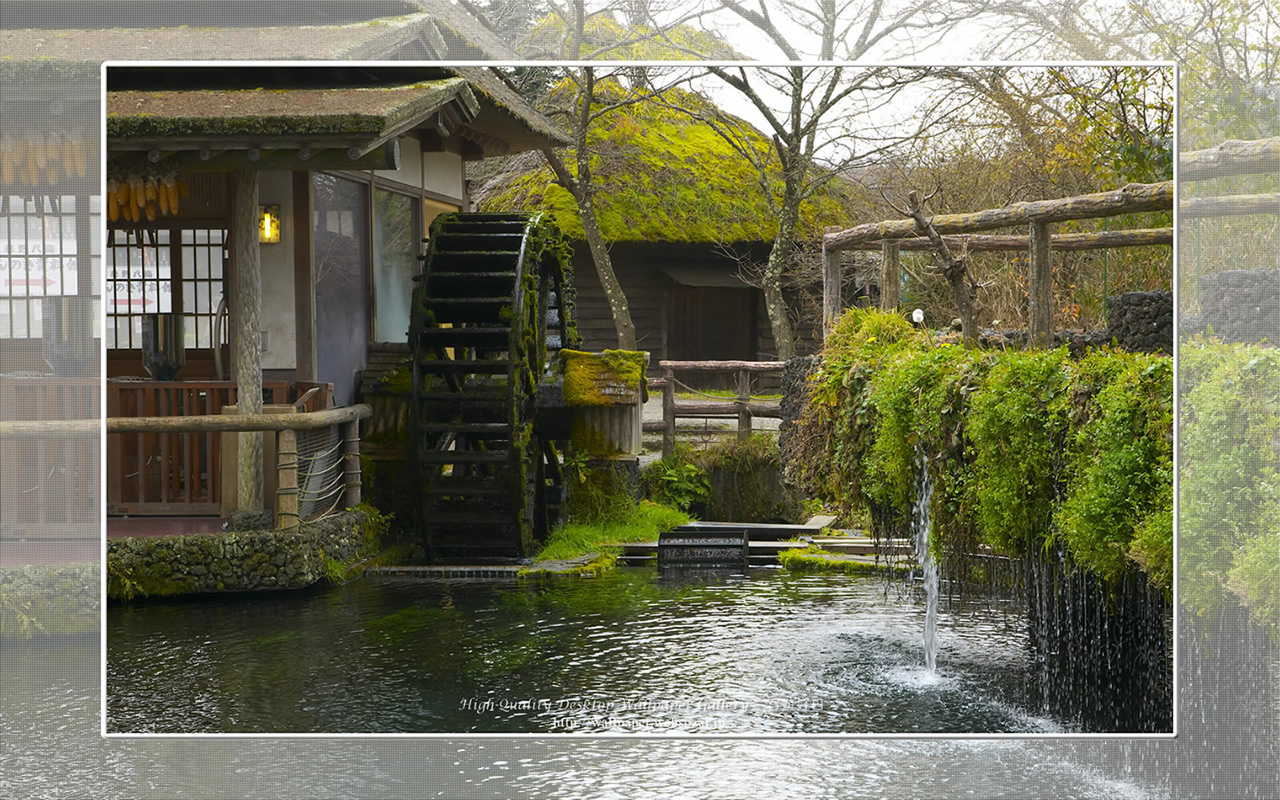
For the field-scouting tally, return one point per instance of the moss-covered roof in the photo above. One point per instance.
(660, 176)
(361, 111)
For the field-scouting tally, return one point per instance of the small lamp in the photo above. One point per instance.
(269, 224)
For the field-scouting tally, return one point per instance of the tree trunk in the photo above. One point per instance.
(775, 304)
(613, 293)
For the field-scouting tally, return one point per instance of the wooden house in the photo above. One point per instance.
(687, 225)
(264, 228)
(52, 218)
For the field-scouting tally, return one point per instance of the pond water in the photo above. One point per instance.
(632, 652)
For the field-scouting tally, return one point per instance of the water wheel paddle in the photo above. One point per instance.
(490, 311)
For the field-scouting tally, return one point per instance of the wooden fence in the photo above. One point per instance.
(291, 477)
(50, 457)
(742, 407)
(177, 471)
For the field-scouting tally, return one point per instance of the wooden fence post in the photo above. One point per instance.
(831, 285)
(287, 480)
(351, 459)
(744, 412)
(668, 412)
(890, 275)
(1040, 290)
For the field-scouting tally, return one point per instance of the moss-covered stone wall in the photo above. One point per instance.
(49, 600)
(232, 561)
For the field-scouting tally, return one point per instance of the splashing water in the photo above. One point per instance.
(929, 568)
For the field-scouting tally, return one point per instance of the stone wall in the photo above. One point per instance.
(49, 600)
(1141, 322)
(231, 561)
(1239, 306)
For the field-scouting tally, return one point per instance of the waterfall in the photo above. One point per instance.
(929, 568)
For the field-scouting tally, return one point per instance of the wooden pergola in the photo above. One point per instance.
(963, 231)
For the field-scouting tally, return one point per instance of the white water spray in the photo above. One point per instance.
(929, 568)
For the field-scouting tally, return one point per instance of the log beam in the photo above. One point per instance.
(1133, 198)
(1098, 240)
(1230, 205)
(1231, 158)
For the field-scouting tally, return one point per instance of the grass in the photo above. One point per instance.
(724, 394)
(641, 525)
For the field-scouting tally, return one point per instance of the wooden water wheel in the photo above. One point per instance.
(492, 308)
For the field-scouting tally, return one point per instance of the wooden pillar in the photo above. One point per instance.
(890, 275)
(668, 413)
(744, 412)
(304, 277)
(1040, 327)
(246, 316)
(831, 280)
(287, 480)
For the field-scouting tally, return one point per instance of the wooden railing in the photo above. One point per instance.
(177, 471)
(742, 407)
(50, 462)
(291, 477)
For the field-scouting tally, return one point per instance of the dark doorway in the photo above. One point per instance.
(710, 323)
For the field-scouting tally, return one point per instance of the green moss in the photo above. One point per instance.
(661, 175)
(602, 379)
(626, 522)
(815, 559)
(1026, 449)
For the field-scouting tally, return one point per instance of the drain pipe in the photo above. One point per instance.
(220, 319)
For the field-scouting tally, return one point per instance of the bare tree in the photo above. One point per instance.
(815, 103)
(575, 33)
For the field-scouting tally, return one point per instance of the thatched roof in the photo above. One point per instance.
(175, 107)
(281, 30)
(660, 176)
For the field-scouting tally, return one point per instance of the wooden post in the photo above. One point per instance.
(890, 275)
(287, 479)
(744, 412)
(351, 457)
(1040, 327)
(831, 285)
(304, 278)
(668, 412)
(246, 314)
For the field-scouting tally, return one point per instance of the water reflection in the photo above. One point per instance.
(728, 654)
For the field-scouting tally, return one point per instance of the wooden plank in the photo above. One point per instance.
(1133, 198)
